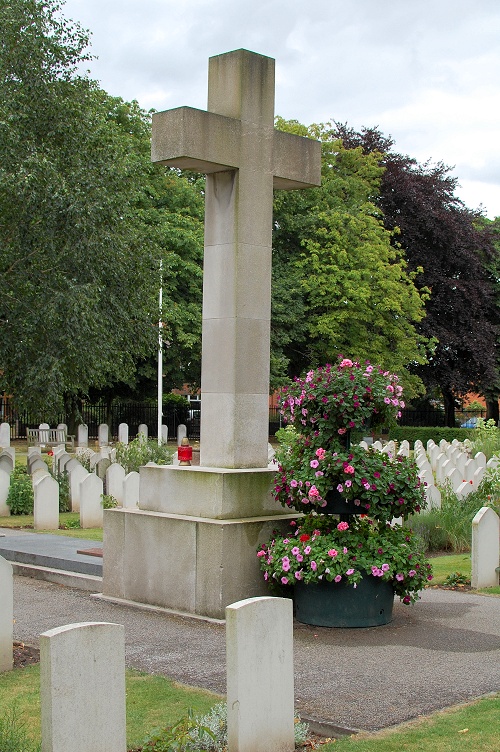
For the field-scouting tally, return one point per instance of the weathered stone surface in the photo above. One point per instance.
(82, 688)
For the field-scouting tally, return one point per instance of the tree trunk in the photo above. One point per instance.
(492, 411)
(73, 412)
(449, 408)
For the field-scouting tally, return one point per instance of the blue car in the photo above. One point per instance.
(470, 423)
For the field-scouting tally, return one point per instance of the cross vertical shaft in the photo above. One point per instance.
(236, 145)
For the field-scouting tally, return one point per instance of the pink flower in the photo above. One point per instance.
(350, 571)
(300, 558)
(314, 566)
(348, 483)
(346, 363)
(400, 577)
(261, 553)
(313, 492)
(349, 469)
(307, 550)
(332, 552)
(284, 580)
(387, 400)
(340, 488)
(385, 567)
(294, 483)
(412, 573)
(316, 533)
(266, 576)
(295, 550)
(343, 526)
(338, 578)
(314, 464)
(320, 454)
(286, 563)
(344, 550)
(298, 575)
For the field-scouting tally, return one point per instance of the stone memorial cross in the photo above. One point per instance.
(244, 158)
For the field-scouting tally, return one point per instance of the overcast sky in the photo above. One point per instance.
(427, 72)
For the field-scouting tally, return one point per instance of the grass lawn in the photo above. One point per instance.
(442, 566)
(25, 521)
(154, 701)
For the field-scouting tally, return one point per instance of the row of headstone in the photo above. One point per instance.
(449, 462)
(82, 677)
(103, 438)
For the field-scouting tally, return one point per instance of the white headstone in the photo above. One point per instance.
(469, 470)
(103, 435)
(4, 492)
(82, 688)
(404, 449)
(143, 430)
(164, 434)
(46, 503)
(455, 478)
(76, 476)
(181, 433)
(4, 435)
(91, 489)
(101, 467)
(43, 433)
(34, 450)
(131, 490)
(433, 496)
(115, 475)
(6, 614)
(465, 488)
(83, 435)
(259, 643)
(485, 548)
(6, 463)
(123, 433)
(480, 458)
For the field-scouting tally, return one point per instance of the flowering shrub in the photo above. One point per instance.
(333, 399)
(323, 548)
(382, 485)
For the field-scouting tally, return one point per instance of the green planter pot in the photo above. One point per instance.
(336, 504)
(337, 604)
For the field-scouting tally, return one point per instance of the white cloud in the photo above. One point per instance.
(427, 73)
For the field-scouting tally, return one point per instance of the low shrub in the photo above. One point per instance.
(140, 451)
(484, 438)
(20, 498)
(424, 433)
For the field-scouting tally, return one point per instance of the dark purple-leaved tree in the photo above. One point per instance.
(455, 253)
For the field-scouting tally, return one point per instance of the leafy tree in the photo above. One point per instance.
(351, 285)
(84, 221)
(451, 255)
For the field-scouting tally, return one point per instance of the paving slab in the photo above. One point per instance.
(443, 650)
(53, 551)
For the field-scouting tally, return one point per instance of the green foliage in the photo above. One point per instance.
(323, 548)
(474, 405)
(456, 579)
(108, 501)
(85, 219)
(20, 497)
(450, 528)
(140, 451)
(64, 498)
(485, 438)
(178, 737)
(13, 736)
(206, 733)
(344, 284)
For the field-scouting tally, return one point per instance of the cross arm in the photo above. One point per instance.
(296, 161)
(196, 140)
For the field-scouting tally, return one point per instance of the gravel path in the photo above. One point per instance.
(443, 650)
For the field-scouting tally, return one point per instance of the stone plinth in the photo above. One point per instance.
(186, 557)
